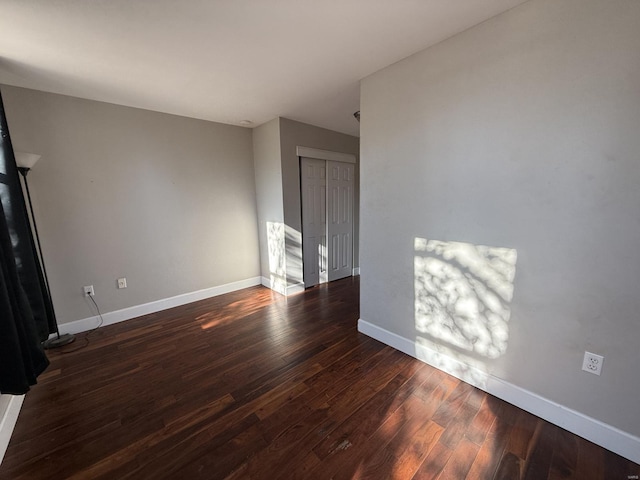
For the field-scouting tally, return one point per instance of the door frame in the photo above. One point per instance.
(325, 155)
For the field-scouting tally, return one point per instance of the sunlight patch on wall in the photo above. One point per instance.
(277, 257)
(285, 256)
(462, 296)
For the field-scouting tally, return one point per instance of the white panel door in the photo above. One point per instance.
(340, 219)
(313, 189)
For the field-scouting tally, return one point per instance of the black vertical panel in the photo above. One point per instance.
(26, 311)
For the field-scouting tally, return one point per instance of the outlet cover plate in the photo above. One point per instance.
(592, 363)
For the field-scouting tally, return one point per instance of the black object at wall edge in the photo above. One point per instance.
(26, 311)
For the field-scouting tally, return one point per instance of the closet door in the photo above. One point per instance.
(340, 183)
(313, 190)
(327, 220)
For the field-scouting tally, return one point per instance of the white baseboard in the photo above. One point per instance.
(356, 271)
(293, 289)
(116, 316)
(600, 433)
(9, 411)
(279, 287)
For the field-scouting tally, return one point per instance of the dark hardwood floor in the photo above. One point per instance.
(255, 385)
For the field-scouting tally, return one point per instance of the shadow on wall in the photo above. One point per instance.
(285, 256)
(293, 246)
(462, 305)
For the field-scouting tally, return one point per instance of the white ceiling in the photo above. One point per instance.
(224, 60)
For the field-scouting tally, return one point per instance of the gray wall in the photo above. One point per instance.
(292, 135)
(520, 133)
(268, 178)
(165, 201)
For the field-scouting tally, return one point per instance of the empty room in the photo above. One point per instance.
(277, 239)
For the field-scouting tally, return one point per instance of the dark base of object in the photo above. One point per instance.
(56, 342)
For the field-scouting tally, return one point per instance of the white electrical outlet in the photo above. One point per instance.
(88, 291)
(592, 363)
(122, 282)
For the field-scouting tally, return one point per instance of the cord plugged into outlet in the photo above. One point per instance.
(89, 293)
(592, 363)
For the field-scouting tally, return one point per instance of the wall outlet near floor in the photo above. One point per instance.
(592, 363)
(122, 282)
(88, 291)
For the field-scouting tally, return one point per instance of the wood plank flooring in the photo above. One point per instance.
(255, 385)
